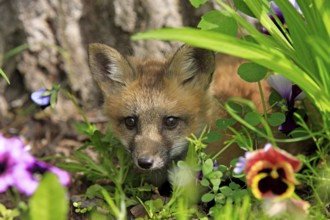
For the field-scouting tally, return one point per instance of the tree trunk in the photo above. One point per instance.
(52, 38)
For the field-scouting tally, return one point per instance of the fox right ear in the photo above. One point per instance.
(110, 69)
(192, 66)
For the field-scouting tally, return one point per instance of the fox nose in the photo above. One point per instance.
(145, 162)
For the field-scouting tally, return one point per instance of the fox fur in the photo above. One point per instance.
(153, 105)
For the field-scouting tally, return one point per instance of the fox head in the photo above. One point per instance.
(153, 105)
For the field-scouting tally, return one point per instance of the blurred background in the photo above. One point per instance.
(44, 42)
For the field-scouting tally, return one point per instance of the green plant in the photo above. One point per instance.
(302, 60)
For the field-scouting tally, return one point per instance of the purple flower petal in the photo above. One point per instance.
(240, 165)
(281, 85)
(267, 146)
(289, 124)
(62, 175)
(295, 5)
(24, 180)
(20, 169)
(31, 174)
(277, 11)
(11, 153)
(40, 98)
(297, 93)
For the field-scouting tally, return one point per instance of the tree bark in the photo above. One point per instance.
(53, 36)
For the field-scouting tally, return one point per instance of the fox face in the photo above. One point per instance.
(153, 105)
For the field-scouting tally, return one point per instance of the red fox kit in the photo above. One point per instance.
(153, 105)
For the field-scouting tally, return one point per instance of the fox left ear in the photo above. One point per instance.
(192, 66)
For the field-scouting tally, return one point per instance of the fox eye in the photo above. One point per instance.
(130, 122)
(170, 122)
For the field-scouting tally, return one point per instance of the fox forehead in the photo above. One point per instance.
(148, 91)
(150, 73)
(153, 92)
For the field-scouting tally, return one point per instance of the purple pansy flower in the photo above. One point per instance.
(291, 93)
(20, 169)
(32, 173)
(41, 97)
(11, 154)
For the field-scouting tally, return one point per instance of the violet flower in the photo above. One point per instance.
(31, 174)
(291, 93)
(21, 170)
(11, 154)
(41, 97)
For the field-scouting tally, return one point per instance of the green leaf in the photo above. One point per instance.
(3, 74)
(274, 99)
(251, 72)
(49, 202)
(235, 107)
(227, 191)
(218, 21)
(299, 132)
(94, 191)
(197, 3)
(225, 123)
(154, 205)
(265, 53)
(241, 6)
(215, 175)
(14, 51)
(234, 186)
(205, 182)
(53, 99)
(81, 127)
(253, 118)
(261, 9)
(8, 214)
(207, 197)
(72, 167)
(222, 168)
(213, 136)
(207, 167)
(276, 118)
(298, 27)
(220, 198)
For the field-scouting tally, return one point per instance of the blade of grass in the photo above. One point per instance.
(268, 57)
(259, 37)
(323, 7)
(14, 51)
(261, 10)
(3, 74)
(298, 28)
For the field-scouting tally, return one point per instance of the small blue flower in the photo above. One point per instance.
(41, 97)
